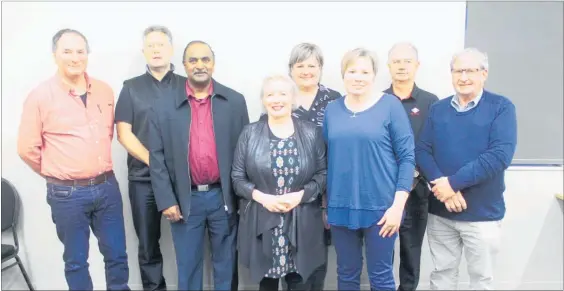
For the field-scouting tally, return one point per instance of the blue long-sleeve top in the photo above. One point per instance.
(370, 157)
(472, 149)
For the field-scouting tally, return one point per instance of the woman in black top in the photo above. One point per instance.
(279, 171)
(306, 65)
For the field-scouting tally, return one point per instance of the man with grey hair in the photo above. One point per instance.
(135, 100)
(65, 136)
(403, 63)
(466, 144)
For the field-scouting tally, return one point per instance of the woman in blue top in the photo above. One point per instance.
(371, 165)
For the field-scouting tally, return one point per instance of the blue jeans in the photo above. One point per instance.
(379, 257)
(77, 209)
(207, 210)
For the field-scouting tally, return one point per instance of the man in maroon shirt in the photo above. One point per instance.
(192, 137)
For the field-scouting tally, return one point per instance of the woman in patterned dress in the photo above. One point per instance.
(279, 171)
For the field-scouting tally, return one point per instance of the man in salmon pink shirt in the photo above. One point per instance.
(65, 136)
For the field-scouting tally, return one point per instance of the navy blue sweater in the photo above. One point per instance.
(472, 149)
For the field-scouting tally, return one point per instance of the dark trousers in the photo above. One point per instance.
(235, 279)
(77, 209)
(316, 280)
(411, 234)
(147, 223)
(379, 257)
(292, 280)
(206, 212)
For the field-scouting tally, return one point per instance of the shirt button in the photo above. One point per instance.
(96, 141)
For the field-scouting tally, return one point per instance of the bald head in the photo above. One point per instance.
(403, 62)
(402, 49)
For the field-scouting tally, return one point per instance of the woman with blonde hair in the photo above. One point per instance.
(370, 171)
(279, 171)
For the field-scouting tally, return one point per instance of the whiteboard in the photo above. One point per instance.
(535, 84)
(250, 40)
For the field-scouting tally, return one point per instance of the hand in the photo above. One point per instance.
(391, 221)
(456, 203)
(442, 189)
(325, 223)
(324, 204)
(291, 200)
(173, 213)
(271, 202)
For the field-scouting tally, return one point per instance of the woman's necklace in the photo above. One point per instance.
(365, 105)
(350, 108)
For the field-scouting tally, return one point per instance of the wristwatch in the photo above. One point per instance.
(415, 174)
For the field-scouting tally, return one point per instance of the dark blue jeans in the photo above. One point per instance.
(207, 211)
(77, 209)
(379, 257)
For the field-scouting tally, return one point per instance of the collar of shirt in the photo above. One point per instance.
(172, 68)
(190, 91)
(67, 87)
(455, 102)
(413, 94)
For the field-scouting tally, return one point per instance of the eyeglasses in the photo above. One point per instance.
(459, 72)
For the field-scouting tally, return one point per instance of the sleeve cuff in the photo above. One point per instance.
(455, 183)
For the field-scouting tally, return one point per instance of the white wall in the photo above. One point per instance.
(253, 41)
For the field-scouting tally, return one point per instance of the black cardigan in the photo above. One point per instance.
(252, 170)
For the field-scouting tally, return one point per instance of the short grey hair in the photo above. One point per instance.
(302, 52)
(355, 54)
(481, 57)
(158, 28)
(280, 77)
(404, 44)
(64, 31)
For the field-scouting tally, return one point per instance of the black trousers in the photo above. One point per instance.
(292, 281)
(411, 235)
(235, 280)
(147, 223)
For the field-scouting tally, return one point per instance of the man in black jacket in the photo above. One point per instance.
(192, 137)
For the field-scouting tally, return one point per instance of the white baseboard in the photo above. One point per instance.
(551, 285)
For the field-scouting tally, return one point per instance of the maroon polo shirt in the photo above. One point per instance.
(202, 154)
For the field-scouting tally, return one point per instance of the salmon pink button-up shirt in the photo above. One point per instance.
(60, 137)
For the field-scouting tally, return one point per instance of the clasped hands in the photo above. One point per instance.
(454, 201)
(278, 203)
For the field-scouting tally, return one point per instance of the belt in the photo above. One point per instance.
(82, 182)
(205, 187)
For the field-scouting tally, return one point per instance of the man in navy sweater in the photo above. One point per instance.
(466, 144)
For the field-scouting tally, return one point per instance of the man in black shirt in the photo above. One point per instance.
(403, 63)
(136, 98)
